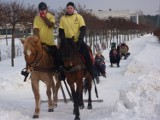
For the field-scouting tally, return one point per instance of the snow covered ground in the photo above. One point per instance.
(130, 92)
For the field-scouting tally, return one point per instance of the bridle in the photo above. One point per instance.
(71, 66)
(36, 59)
(69, 55)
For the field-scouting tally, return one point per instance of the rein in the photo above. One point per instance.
(36, 60)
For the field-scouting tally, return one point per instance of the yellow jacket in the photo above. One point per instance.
(46, 33)
(71, 25)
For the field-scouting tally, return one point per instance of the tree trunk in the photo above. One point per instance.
(6, 36)
(13, 47)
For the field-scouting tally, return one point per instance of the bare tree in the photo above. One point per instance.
(16, 13)
(3, 18)
(28, 16)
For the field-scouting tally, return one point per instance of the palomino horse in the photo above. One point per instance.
(75, 71)
(42, 68)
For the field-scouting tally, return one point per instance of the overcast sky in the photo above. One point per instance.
(150, 7)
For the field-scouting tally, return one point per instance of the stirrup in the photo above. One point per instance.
(24, 72)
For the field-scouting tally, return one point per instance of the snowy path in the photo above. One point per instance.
(17, 101)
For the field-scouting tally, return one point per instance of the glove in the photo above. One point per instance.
(79, 42)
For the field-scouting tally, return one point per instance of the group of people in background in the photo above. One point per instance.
(118, 52)
(115, 55)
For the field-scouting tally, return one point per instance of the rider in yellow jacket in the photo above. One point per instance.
(72, 25)
(43, 27)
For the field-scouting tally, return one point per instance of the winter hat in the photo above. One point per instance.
(42, 6)
(70, 4)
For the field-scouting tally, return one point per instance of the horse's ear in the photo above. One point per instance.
(36, 38)
(22, 41)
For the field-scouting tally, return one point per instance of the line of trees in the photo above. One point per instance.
(14, 13)
(110, 28)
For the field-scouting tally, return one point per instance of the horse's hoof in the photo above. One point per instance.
(76, 118)
(50, 110)
(35, 116)
(89, 107)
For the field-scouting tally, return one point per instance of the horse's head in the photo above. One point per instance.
(31, 46)
(69, 52)
(68, 49)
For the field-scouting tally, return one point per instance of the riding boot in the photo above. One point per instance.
(53, 51)
(60, 66)
(62, 76)
(57, 61)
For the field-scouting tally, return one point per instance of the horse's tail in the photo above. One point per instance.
(86, 86)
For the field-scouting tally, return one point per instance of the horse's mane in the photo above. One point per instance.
(68, 49)
(33, 40)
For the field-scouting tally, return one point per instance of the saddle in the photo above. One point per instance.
(49, 49)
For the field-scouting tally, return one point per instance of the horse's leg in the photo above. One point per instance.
(57, 86)
(50, 104)
(75, 101)
(80, 94)
(76, 105)
(50, 85)
(89, 83)
(81, 103)
(35, 88)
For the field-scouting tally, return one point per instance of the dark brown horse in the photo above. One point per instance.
(75, 72)
(42, 67)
